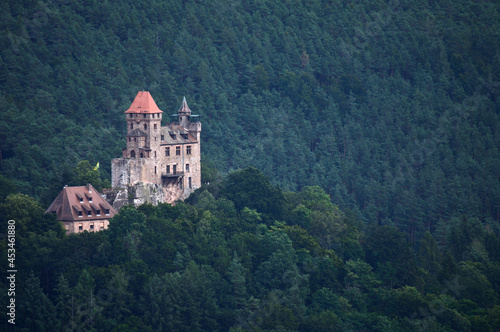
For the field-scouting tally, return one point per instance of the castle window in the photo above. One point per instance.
(155, 126)
(168, 169)
(91, 227)
(102, 225)
(142, 155)
(190, 184)
(132, 154)
(155, 152)
(145, 126)
(144, 116)
(135, 139)
(130, 139)
(180, 184)
(162, 137)
(175, 169)
(167, 152)
(131, 126)
(177, 150)
(155, 169)
(80, 227)
(187, 167)
(131, 115)
(188, 149)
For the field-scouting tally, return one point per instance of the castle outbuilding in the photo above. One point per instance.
(82, 209)
(161, 164)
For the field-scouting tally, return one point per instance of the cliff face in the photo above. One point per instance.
(136, 194)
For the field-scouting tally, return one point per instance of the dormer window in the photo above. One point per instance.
(97, 212)
(107, 212)
(81, 199)
(80, 214)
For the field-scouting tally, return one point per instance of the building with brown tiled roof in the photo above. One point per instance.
(82, 209)
(160, 164)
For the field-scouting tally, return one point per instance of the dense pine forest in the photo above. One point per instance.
(351, 161)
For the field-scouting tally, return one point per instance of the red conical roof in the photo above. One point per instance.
(143, 103)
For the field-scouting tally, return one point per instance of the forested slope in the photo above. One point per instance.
(391, 107)
(242, 255)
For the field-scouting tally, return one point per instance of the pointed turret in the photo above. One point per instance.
(184, 110)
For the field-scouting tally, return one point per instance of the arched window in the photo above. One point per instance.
(132, 154)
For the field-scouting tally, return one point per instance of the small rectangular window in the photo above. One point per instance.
(80, 227)
(167, 151)
(168, 169)
(187, 167)
(180, 184)
(91, 227)
(155, 168)
(188, 149)
(162, 137)
(102, 225)
(155, 126)
(190, 184)
(177, 150)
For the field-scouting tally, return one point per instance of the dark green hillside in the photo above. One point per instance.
(213, 264)
(391, 107)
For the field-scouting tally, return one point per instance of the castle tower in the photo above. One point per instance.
(143, 127)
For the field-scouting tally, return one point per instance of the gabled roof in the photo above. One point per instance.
(144, 104)
(72, 200)
(136, 133)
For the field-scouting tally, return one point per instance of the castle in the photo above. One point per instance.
(160, 164)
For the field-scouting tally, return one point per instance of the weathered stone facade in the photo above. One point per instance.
(160, 164)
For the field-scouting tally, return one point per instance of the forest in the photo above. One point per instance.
(242, 255)
(372, 126)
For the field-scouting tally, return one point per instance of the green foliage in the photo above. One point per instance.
(390, 107)
(212, 265)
